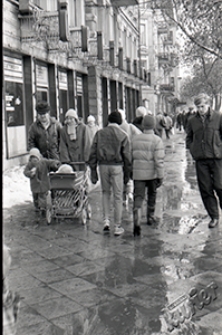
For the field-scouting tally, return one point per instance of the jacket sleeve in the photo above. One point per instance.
(127, 157)
(31, 137)
(159, 158)
(27, 171)
(63, 149)
(189, 136)
(92, 161)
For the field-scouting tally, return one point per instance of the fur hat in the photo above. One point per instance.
(43, 107)
(141, 111)
(148, 122)
(202, 98)
(72, 113)
(91, 118)
(35, 153)
(115, 117)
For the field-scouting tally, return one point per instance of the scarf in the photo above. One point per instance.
(71, 131)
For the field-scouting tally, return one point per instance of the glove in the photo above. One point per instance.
(94, 176)
(159, 182)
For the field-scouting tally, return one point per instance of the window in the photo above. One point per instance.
(76, 13)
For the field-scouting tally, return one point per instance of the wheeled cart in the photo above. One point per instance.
(68, 195)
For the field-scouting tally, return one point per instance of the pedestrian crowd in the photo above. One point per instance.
(127, 158)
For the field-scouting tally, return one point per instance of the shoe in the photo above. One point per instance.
(106, 226)
(150, 220)
(130, 197)
(213, 223)
(136, 230)
(118, 231)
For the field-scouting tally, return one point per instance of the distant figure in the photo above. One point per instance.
(141, 111)
(111, 152)
(148, 160)
(91, 130)
(204, 139)
(168, 125)
(179, 121)
(74, 144)
(44, 133)
(160, 124)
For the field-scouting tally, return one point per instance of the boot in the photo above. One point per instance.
(150, 216)
(137, 220)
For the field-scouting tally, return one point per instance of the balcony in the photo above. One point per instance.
(166, 87)
(162, 28)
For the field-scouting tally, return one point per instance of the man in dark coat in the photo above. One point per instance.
(44, 133)
(204, 139)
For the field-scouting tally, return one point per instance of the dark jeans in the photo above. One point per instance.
(39, 200)
(167, 131)
(209, 177)
(139, 194)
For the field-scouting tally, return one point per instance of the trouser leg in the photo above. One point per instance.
(206, 187)
(151, 200)
(35, 200)
(117, 184)
(105, 179)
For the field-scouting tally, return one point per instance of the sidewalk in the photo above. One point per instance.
(74, 280)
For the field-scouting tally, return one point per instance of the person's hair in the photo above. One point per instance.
(202, 98)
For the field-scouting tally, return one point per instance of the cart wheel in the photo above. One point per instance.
(49, 216)
(84, 216)
(89, 211)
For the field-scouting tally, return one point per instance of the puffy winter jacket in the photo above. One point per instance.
(148, 156)
(204, 139)
(46, 140)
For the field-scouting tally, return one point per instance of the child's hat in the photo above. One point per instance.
(148, 122)
(65, 168)
(141, 111)
(72, 113)
(91, 118)
(35, 152)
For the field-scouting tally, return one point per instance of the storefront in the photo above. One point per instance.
(16, 139)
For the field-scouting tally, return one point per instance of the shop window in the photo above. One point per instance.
(41, 94)
(14, 104)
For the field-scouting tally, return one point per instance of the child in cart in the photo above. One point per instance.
(37, 170)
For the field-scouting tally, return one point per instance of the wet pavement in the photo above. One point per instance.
(74, 280)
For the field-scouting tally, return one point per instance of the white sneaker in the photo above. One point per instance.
(118, 231)
(130, 196)
(106, 225)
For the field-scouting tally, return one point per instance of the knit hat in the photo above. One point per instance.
(65, 168)
(72, 113)
(202, 98)
(43, 107)
(141, 111)
(35, 152)
(115, 117)
(148, 122)
(91, 118)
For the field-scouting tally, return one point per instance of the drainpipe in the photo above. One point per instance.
(139, 56)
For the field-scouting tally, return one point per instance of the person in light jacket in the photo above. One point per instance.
(148, 170)
(73, 145)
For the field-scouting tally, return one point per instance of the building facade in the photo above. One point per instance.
(80, 54)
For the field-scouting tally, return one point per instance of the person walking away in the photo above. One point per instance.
(204, 140)
(179, 121)
(140, 112)
(131, 131)
(168, 125)
(44, 133)
(160, 124)
(91, 130)
(74, 145)
(111, 152)
(148, 171)
(37, 170)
